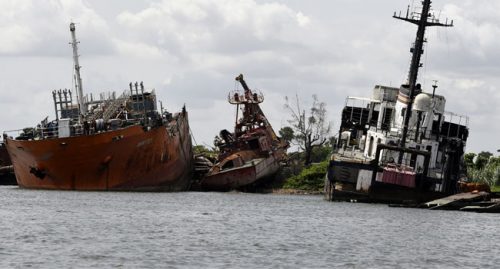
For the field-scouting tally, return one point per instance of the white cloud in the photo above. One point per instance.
(474, 37)
(302, 19)
(469, 84)
(41, 27)
(140, 50)
(190, 51)
(214, 26)
(15, 38)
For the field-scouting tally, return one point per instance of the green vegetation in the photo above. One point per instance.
(310, 133)
(307, 130)
(483, 168)
(311, 178)
(202, 150)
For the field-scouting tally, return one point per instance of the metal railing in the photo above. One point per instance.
(238, 97)
(456, 124)
(108, 106)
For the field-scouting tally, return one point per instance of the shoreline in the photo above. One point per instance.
(295, 192)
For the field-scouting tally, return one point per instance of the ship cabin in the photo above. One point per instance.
(371, 129)
(106, 112)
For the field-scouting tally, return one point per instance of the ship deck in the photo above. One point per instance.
(350, 156)
(247, 164)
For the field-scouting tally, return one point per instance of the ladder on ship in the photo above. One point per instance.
(113, 106)
(109, 108)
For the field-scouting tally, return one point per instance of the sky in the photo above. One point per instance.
(190, 51)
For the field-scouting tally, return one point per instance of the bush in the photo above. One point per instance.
(485, 169)
(310, 179)
(320, 154)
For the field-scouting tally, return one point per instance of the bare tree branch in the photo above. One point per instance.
(310, 130)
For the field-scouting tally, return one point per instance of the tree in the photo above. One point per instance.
(469, 161)
(202, 150)
(286, 133)
(311, 130)
(482, 159)
(483, 167)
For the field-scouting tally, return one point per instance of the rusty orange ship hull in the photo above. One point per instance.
(247, 176)
(128, 159)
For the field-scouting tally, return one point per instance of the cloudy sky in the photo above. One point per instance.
(191, 50)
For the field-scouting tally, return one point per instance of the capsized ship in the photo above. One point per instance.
(108, 143)
(399, 145)
(252, 154)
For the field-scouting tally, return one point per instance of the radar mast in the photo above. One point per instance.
(78, 80)
(422, 20)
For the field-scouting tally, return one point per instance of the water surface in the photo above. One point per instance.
(63, 229)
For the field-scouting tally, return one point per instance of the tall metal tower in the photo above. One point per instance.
(422, 20)
(78, 80)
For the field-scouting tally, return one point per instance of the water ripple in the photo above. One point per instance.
(52, 229)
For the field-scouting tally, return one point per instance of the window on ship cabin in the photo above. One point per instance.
(229, 164)
(253, 144)
(370, 147)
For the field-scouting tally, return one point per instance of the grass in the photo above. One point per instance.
(495, 188)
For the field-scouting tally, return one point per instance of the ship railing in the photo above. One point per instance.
(239, 97)
(108, 104)
(359, 101)
(352, 151)
(455, 125)
(389, 158)
(37, 133)
(360, 108)
(396, 133)
(50, 132)
(413, 160)
(47, 132)
(456, 118)
(41, 133)
(114, 104)
(13, 133)
(385, 93)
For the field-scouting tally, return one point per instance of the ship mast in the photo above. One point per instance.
(78, 83)
(242, 82)
(252, 114)
(424, 20)
(246, 93)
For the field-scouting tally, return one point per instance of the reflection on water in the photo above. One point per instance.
(60, 229)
